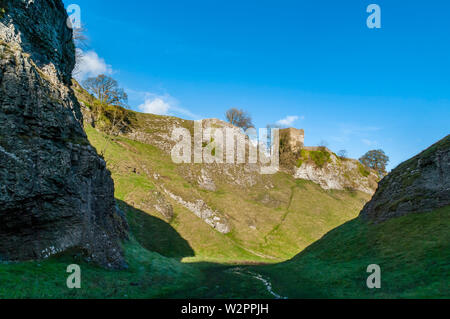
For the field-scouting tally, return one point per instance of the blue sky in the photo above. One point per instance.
(314, 64)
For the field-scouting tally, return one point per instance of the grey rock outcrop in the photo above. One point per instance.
(418, 185)
(338, 174)
(55, 191)
(211, 217)
(156, 200)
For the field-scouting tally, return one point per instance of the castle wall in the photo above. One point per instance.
(295, 138)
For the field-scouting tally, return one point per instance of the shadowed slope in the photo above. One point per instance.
(413, 252)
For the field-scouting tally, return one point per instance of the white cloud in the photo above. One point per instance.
(369, 142)
(155, 106)
(352, 129)
(162, 105)
(89, 64)
(289, 120)
(185, 112)
(348, 132)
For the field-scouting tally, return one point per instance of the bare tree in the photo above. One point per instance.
(106, 90)
(79, 36)
(323, 143)
(111, 101)
(80, 40)
(343, 154)
(239, 118)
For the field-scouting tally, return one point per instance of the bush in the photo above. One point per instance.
(320, 158)
(364, 171)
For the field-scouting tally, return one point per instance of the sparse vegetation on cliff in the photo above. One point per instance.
(111, 119)
(2, 8)
(318, 157)
(279, 215)
(364, 171)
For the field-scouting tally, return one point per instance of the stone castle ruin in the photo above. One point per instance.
(292, 139)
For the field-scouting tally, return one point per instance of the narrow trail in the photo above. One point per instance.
(283, 218)
(268, 285)
(256, 253)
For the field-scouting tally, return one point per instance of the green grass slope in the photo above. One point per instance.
(185, 258)
(182, 256)
(267, 225)
(413, 252)
(149, 275)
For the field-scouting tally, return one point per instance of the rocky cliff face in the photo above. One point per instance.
(335, 172)
(55, 191)
(420, 184)
(322, 166)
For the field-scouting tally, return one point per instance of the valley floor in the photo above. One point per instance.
(412, 251)
(181, 256)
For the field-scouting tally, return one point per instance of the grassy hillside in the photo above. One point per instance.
(413, 252)
(267, 225)
(281, 243)
(272, 218)
(183, 257)
(149, 275)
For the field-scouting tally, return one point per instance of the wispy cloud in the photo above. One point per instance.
(369, 142)
(348, 132)
(161, 104)
(355, 129)
(89, 64)
(289, 120)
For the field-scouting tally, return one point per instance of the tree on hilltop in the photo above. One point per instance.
(110, 101)
(377, 160)
(239, 118)
(106, 90)
(343, 154)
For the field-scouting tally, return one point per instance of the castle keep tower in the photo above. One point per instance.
(294, 138)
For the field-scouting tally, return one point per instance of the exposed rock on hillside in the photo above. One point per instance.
(322, 166)
(420, 184)
(265, 216)
(55, 191)
(332, 172)
(318, 165)
(211, 180)
(201, 210)
(156, 200)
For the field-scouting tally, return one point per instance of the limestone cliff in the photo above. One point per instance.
(55, 191)
(420, 184)
(330, 171)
